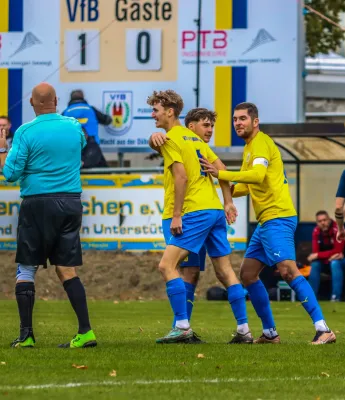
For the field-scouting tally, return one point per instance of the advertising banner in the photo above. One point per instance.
(120, 212)
(119, 51)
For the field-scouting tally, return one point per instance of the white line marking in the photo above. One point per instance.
(72, 385)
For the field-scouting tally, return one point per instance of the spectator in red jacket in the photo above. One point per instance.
(327, 251)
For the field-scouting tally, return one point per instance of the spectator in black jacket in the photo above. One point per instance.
(92, 156)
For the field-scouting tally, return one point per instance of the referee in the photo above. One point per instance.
(45, 157)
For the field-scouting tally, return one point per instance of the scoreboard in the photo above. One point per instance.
(119, 51)
(119, 41)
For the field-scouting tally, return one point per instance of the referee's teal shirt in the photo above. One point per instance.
(45, 156)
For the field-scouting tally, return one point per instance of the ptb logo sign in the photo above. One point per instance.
(88, 10)
(218, 39)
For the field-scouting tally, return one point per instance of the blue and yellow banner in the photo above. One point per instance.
(11, 80)
(230, 82)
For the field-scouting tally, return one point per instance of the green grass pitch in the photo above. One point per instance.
(126, 334)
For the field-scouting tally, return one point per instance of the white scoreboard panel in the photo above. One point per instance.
(119, 51)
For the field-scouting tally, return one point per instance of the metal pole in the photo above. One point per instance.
(301, 69)
(120, 159)
(198, 23)
(121, 217)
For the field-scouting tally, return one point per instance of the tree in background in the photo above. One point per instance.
(321, 35)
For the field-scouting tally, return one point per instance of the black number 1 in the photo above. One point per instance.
(82, 39)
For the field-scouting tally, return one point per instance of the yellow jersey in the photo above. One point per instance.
(185, 147)
(270, 197)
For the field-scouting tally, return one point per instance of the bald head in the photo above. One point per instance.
(43, 99)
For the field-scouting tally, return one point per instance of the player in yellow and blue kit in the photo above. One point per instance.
(200, 121)
(197, 217)
(262, 176)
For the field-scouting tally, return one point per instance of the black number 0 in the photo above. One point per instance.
(144, 47)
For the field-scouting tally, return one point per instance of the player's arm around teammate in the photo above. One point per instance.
(273, 240)
(217, 244)
(222, 266)
(200, 121)
(203, 215)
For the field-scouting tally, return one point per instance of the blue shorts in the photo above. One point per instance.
(192, 260)
(203, 228)
(273, 241)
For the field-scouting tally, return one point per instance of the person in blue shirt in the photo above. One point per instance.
(45, 157)
(339, 208)
(88, 116)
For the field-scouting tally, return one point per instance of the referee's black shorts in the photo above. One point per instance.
(48, 229)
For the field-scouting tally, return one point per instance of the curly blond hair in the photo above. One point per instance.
(168, 99)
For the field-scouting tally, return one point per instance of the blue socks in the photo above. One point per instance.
(237, 302)
(190, 290)
(176, 292)
(306, 296)
(261, 303)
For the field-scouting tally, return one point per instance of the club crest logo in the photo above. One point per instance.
(119, 106)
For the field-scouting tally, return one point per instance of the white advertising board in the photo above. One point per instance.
(120, 213)
(119, 51)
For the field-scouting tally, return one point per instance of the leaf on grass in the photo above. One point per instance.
(43, 298)
(3, 362)
(200, 356)
(219, 367)
(183, 363)
(112, 373)
(79, 366)
(115, 302)
(325, 374)
(141, 329)
(292, 333)
(337, 332)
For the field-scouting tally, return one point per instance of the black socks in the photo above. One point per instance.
(77, 296)
(25, 295)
